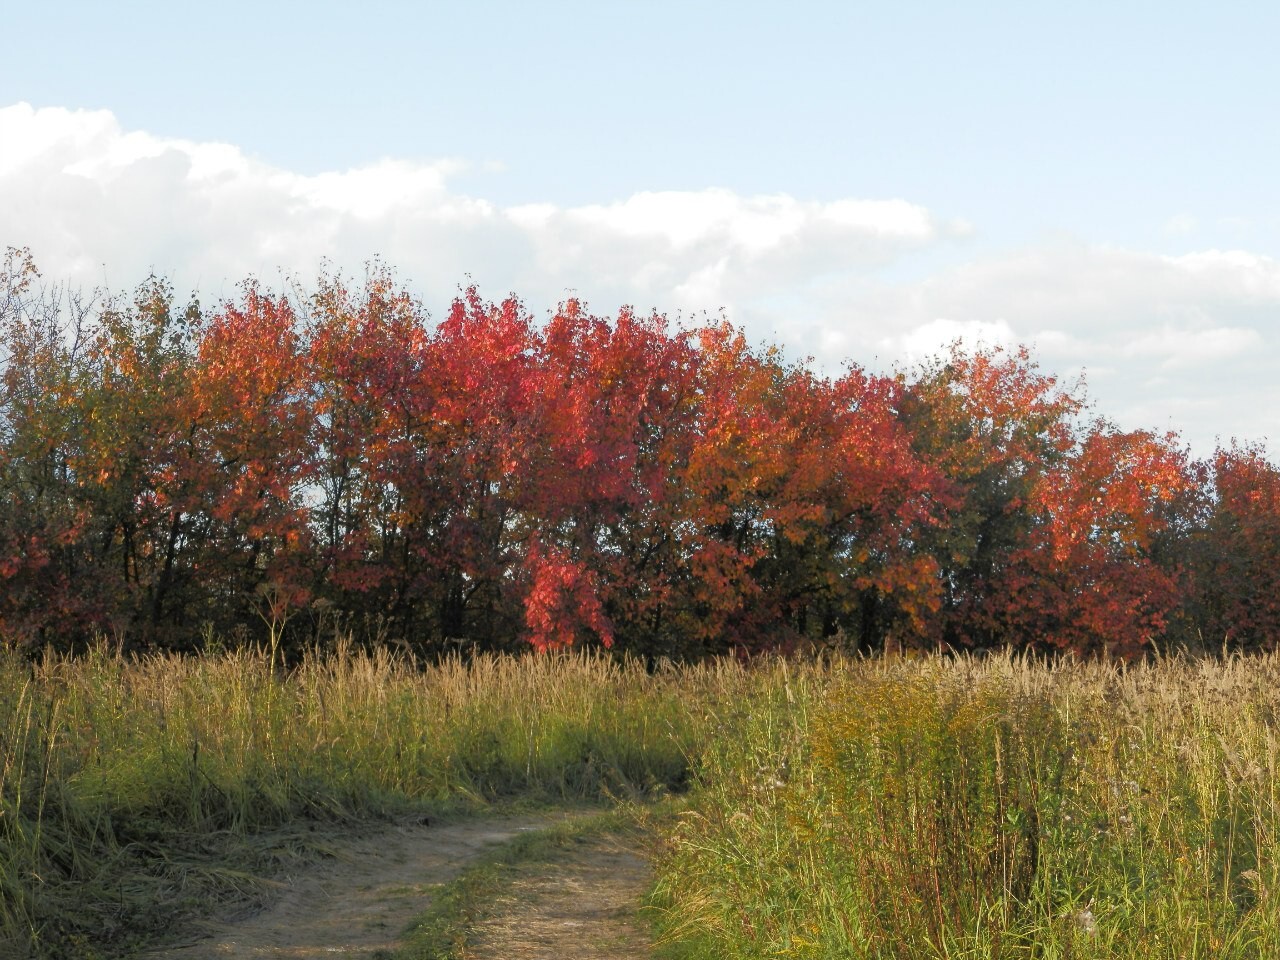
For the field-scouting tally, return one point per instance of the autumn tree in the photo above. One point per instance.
(248, 462)
(488, 414)
(379, 499)
(1097, 574)
(849, 500)
(805, 497)
(504, 482)
(1060, 533)
(132, 408)
(994, 425)
(615, 418)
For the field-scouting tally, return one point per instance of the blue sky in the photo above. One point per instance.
(858, 181)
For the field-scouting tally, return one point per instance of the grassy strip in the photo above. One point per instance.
(441, 933)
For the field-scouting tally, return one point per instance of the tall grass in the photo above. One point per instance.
(126, 787)
(1002, 809)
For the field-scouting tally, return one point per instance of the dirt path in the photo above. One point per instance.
(579, 905)
(356, 904)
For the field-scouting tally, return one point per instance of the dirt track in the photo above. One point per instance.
(357, 903)
(580, 906)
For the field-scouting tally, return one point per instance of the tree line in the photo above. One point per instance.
(286, 465)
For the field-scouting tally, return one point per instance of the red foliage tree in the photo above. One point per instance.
(994, 426)
(1090, 578)
(619, 414)
(805, 495)
(378, 501)
(489, 410)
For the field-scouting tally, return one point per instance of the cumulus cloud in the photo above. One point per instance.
(83, 193)
(1167, 341)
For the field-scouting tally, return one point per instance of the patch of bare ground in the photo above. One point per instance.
(580, 905)
(356, 902)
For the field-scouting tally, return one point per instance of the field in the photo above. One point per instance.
(996, 808)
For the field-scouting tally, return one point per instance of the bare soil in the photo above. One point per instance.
(357, 902)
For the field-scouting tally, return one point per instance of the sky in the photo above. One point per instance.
(856, 182)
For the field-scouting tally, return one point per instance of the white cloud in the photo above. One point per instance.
(1168, 341)
(1189, 347)
(937, 336)
(1187, 343)
(85, 194)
